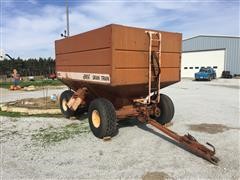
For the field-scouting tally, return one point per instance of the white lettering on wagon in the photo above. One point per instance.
(93, 77)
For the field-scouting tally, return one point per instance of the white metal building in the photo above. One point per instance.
(218, 52)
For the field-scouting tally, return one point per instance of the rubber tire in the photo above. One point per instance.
(81, 110)
(167, 110)
(66, 95)
(108, 123)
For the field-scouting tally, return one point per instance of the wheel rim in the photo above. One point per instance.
(157, 112)
(64, 105)
(96, 120)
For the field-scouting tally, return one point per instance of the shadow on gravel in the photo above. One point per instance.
(128, 123)
(135, 122)
(81, 117)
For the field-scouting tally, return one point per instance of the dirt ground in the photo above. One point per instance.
(56, 148)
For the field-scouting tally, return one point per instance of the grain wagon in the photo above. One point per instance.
(116, 72)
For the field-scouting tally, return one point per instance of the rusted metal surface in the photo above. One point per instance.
(151, 56)
(118, 95)
(130, 54)
(100, 57)
(132, 38)
(118, 57)
(149, 66)
(133, 59)
(88, 41)
(159, 53)
(189, 142)
(77, 99)
(127, 111)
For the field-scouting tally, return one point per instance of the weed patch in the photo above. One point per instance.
(18, 114)
(53, 135)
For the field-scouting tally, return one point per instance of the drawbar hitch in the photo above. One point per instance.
(189, 142)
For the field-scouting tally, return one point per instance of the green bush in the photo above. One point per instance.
(39, 83)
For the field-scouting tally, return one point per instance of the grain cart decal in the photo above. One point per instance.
(92, 77)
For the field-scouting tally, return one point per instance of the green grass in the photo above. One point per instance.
(18, 114)
(53, 135)
(38, 83)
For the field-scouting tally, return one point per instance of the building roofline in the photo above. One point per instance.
(220, 36)
(218, 49)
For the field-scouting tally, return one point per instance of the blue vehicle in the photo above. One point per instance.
(205, 74)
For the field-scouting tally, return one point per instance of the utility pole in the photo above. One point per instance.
(67, 18)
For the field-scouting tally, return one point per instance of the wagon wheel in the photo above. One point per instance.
(102, 118)
(64, 98)
(165, 110)
(66, 111)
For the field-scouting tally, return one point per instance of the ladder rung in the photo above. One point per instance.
(155, 40)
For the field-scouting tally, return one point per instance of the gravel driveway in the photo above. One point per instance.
(40, 148)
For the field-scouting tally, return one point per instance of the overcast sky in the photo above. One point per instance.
(29, 27)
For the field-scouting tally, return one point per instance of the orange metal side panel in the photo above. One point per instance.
(130, 76)
(130, 56)
(170, 75)
(94, 57)
(95, 39)
(85, 57)
(130, 38)
(171, 60)
(119, 51)
(138, 76)
(139, 59)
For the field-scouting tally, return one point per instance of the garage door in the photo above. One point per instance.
(193, 61)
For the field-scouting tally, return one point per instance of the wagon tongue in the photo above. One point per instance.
(189, 143)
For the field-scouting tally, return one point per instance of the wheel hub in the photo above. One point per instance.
(157, 112)
(64, 105)
(96, 120)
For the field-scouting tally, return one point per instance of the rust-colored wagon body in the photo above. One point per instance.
(112, 62)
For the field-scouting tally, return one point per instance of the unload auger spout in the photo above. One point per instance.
(189, 142)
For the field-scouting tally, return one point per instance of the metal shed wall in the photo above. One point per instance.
(230, 44)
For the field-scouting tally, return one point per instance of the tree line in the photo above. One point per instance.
(28, 67)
